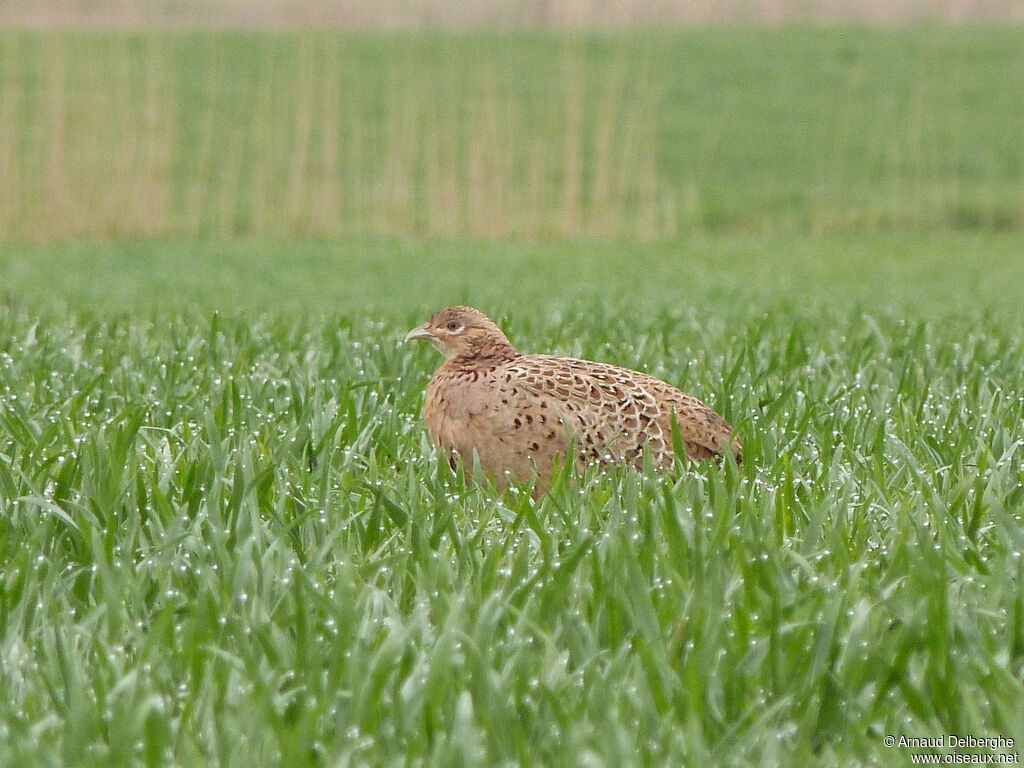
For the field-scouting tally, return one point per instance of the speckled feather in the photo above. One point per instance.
(519, 414)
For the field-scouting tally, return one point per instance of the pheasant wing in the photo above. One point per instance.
(613, 413)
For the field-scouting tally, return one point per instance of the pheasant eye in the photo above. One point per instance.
(454, 326)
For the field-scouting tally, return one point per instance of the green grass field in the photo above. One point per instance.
(225, 540)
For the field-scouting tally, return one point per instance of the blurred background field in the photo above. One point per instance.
(649, 135)
(717, 276)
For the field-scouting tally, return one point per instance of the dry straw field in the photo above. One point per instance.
(150, 135)
(512, 13)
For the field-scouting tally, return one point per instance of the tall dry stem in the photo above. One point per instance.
(572, 140)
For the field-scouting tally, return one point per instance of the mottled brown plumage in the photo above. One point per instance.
(519, 414)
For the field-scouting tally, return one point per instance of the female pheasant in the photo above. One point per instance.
(519, 414)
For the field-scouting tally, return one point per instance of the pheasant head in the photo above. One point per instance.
(465, 334)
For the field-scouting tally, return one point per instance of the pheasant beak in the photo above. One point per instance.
(420, 332)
